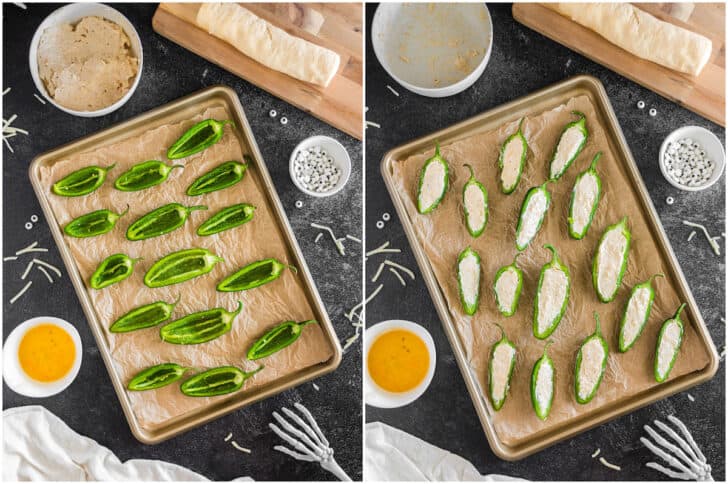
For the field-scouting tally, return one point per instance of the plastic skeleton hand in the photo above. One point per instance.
(686, 460)
(311, 444)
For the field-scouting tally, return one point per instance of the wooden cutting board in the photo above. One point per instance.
(704, 94)
(335, 26)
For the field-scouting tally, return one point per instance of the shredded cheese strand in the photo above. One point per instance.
(316, 387)
(241, 449)
(10, 257)
(318, 237)
(229, 436)
(27, 270)
(401, 268)
(713, 244)
(44, 271)
(351, 237)
(21, 292)
(363, 304)
(596, 453)
(394, 271)
(372, 123)
(42, 101)
(378, 273)
(350, 341)
(337, 242)
(609, 464)
(382, 249)
(692, 234)
(49, 266)
(393, 91)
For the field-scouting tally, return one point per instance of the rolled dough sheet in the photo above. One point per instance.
(641, 34)
(263, 307)
(442, 235)
(267, 44)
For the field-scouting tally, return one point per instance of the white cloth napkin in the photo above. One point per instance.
(393, 455)
(38, 446)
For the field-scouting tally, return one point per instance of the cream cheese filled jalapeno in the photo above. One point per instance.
(668, 345)
(157, 376)
(507, 287)
(434, 179)
(500, 370)
(475, 205)
(511, 160)
(468, 273)
(552, 296)
(144, 175)
(81, 182)
(591, 363)
(543, 384)
(584, 200)
(533, 210)
(636, 313)
(571, 142)
(610, 260)
(217, 381)
(199, 327)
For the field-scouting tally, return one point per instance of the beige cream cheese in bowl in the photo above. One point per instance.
(86, 59)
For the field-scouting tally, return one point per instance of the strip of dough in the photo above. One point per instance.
(268, 44)
(641, 34)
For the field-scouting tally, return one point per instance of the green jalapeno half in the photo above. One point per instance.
(93, 224)
(156, 377)
(217, 381)
(160, 221)
(434, 179)
(144, 317)
(668, 346)
(226, 219)
(253, 275)
(180, 266)
(591, 363)
(113, 269)
(81, 182)
(223, 176)
(199, 327)
(198, 138)
(283, 335)
(144, 175)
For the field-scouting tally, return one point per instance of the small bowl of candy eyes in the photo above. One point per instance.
(692, 158)
(320, 166)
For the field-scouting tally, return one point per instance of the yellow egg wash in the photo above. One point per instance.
(46, 352)
(398, 360)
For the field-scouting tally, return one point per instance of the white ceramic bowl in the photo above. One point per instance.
(375, 395)
(710, 143)
(15, 376)
(430, 36)
(72, 13)
(337, 152)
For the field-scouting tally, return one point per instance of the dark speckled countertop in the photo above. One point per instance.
(523, 61)
(90, 405)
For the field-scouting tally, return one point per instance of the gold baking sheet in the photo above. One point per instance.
(158, 414)
(439, 237)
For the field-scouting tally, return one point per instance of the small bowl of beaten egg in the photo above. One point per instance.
(41, 357)
(400, 363)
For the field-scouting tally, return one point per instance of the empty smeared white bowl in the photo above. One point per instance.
(708, 141)
(71, 14)
(339, 154)
(433, 49)
(375, 395)
(15, 376)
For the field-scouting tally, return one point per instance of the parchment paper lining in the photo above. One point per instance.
(263, 307)
(442, 235)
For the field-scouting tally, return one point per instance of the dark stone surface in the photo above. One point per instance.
(523, 61)
(90, 405)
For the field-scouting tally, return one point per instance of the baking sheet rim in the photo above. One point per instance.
(181, 424)
(571, 427)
